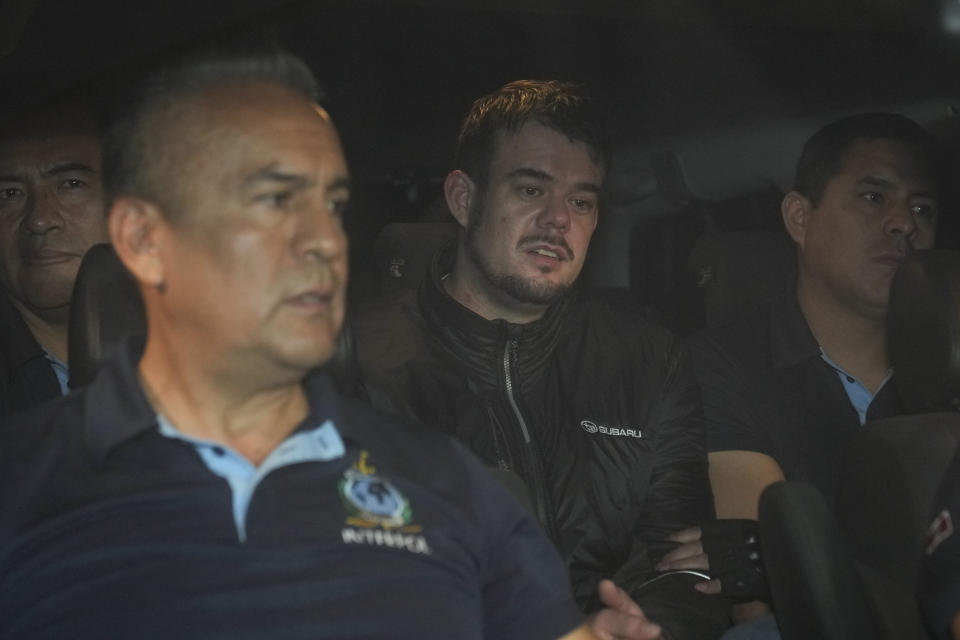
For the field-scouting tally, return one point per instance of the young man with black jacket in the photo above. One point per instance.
(597, 411)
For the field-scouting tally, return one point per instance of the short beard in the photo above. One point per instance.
(523, 290)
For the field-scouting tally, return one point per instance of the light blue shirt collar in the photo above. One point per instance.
(860, 397)
(61, 370)
(317, 445)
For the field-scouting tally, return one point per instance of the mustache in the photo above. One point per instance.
(543, 238)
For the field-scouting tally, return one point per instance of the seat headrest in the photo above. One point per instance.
(105, 308)
(403, 250)
(738, 270)
(923, 331)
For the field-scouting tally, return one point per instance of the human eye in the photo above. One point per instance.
(873, 197)
(276, 199)
(584, 204)
(530, 191)
(338, 206)
(925, 210)
(10, 193)
(73, 183)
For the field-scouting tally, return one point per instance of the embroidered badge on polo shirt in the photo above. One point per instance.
(940, 530)
(377, 512)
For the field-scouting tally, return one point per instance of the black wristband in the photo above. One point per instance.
(733, 548)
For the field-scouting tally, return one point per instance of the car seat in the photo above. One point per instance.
(853, 573)
(736, 271)
(402, 252)
(893, 467)
(815, 587)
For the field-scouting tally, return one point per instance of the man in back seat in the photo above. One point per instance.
(51, 212)
(783, 387)
(597, 411)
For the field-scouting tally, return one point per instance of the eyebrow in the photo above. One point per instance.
(270, 173)
(68, 167)
(527, 172)
(338, 184)
(537, 174)
(876, 181)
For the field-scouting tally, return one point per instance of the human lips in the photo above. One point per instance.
(45, 256)
(891, 258)
(553, 251)
(313, 299)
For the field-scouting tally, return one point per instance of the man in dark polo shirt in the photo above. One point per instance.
(51, 212)
(203, 486)
(782, 388)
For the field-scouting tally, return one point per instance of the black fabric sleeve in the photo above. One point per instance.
(679, 497)
(526, 591)
(729, 417)
(679, 493)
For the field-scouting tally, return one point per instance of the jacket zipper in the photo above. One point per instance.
(540, 499)
(500, 448)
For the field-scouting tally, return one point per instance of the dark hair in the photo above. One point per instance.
(562, 106)
(137, 153)
(79, 111)
(825, 151)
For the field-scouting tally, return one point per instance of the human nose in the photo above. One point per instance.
(900, 221)
(555, 214)
(42, 214)
(321, 237)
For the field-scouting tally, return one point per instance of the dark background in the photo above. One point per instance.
(400, 74)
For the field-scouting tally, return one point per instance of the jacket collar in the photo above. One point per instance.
(472, 339)
(117, 409)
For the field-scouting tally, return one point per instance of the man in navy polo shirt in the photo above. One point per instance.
(203, 486)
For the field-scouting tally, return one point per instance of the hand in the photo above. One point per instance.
(622, 619)
(689, 555)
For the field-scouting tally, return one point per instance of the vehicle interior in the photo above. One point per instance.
(708, 102)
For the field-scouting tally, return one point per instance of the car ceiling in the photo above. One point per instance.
(399, 74)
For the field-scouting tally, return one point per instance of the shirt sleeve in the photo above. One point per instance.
(728, 416)
(940, 573)
(526, 591)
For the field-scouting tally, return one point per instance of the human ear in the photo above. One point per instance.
(136, 229)
(795, 210)
(458, 190)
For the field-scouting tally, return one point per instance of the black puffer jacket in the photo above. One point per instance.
(597, 411)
